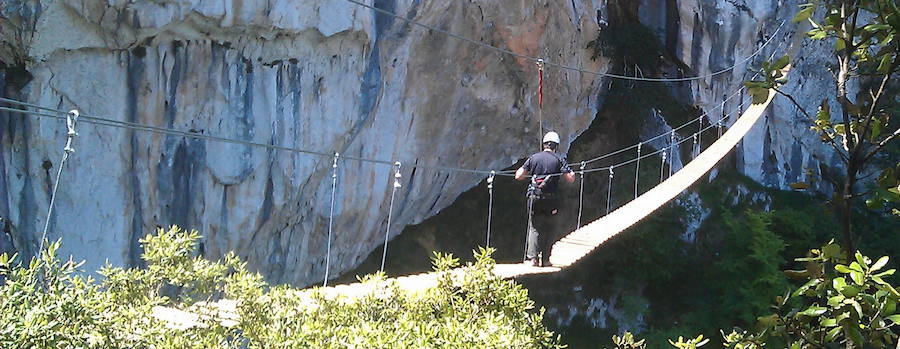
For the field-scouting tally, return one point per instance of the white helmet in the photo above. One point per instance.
(551, 137)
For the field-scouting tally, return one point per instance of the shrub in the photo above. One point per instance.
(48, 304)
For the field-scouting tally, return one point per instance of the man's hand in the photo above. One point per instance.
(520, 173)
(570, 177)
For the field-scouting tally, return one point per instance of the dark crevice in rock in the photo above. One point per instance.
(134, 73)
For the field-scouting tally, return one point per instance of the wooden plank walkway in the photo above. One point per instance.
(564, 253)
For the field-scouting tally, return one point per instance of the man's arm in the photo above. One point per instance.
(520, 173)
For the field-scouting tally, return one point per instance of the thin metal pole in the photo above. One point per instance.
(490, 186)
(609, 189)
(699, 138)
(540, 64)
(71, 120)
(637, 169)
(580, 195)
(387, 231)
(662, 165)
(331, 218)
(672, 148)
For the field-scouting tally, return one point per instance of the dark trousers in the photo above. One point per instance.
(542, 214)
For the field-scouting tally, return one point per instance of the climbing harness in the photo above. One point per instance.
(71, 120)
(609, 189)
(396, 186)
(580, 195)
(490, 187)
(540, 65)
(334, 169)
(637, 169)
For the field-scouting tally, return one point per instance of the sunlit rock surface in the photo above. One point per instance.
(327, 76)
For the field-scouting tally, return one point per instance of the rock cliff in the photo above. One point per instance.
(328, 76)
(320, 75)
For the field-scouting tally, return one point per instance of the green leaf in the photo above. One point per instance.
(880, 263)
(813, 311)
(759, 95)
(856, 306)
(886, 273)
(874, 204)
(824, 112)
(809, 284)
(857, 277)
(855, 335)
(840, 268)
(840, 129)
(855, 266)
(836, 301)
(831, 251)
(804, 14)
(885, 65)
(781, 62)
(839, 44)
(874, 27)
(817, 34)
(850, 291)
(832, 334)
(828, 322)
(862, 260)
(894, 318)
(838, 284)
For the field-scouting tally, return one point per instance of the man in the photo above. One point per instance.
(545, 168)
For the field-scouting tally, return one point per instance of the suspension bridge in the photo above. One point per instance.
(564, 253)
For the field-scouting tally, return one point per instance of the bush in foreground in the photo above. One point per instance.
(47, 303)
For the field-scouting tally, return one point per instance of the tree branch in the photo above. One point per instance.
(809, 118)
(881, 145)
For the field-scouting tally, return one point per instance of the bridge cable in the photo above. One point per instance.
(387, 231)
(580, 195)
(490, 187)
(71, 120)
(334, 169)
(664, 134)
(161, 130)
(609, 189)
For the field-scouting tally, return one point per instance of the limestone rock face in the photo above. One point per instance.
(321, 75)
(710, 36)
(331, 76)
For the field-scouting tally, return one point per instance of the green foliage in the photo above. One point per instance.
(749, 270)
(886, 191)
(866, 47)
(471, 309)
(627, 341)
(46, 304)
(843, 302)
(690, 343)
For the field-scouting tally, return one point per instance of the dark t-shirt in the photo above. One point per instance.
(546, 163)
